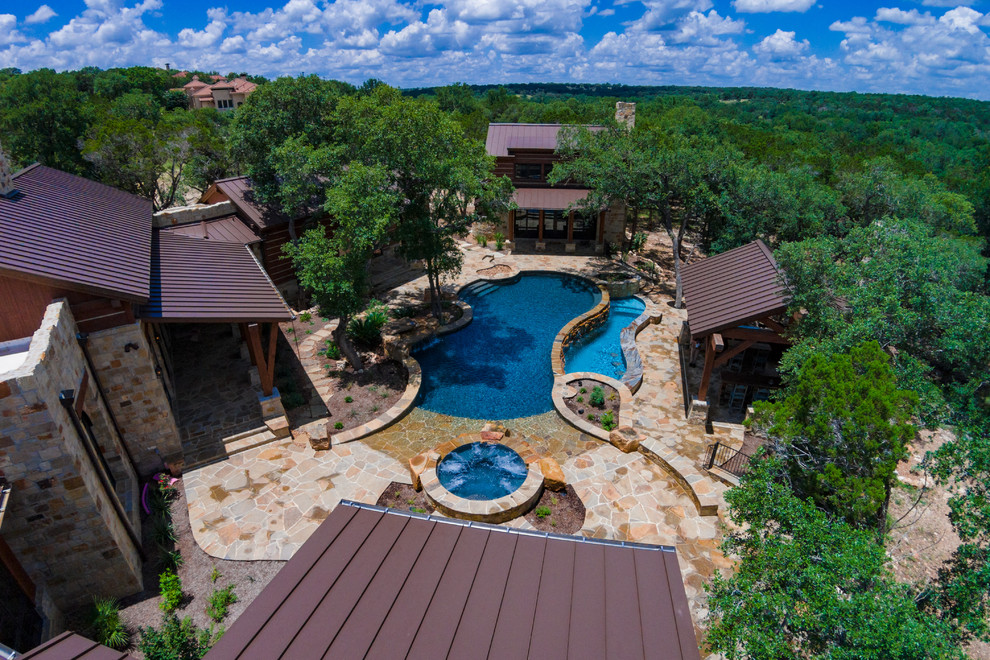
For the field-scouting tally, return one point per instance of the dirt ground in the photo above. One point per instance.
(141, 610)
(362, 397)
(584, 407)
(402, 497)
(566, 512)
(922, 538)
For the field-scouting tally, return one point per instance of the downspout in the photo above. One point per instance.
(68, 398)
(83, 338)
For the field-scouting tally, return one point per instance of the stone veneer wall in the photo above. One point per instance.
(60, 522)
(137, 396)
(615, 223)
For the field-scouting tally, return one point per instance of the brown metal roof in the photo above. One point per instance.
(376, 583)
(547, 198)
(201, 281)
(733, 288)
(72, 646)
(502, 137)
(66, 230)
(228, 228)
(241, 193)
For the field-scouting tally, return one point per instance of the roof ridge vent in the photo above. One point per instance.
(6, 176)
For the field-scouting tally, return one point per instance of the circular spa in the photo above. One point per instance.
(483, 481)
(482, 471)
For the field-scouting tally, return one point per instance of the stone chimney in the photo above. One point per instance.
(6, 176)
(625, 113)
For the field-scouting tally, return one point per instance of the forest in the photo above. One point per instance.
(877, 206)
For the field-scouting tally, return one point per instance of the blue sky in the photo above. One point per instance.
(937, 47)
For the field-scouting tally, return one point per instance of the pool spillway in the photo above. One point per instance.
(600, 352)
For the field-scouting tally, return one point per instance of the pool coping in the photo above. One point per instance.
(633, 378)
(580, 423)
(498, 510)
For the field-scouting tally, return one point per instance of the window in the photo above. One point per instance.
(529, 171)
(555, 224)
(527, 223)
(585, 226)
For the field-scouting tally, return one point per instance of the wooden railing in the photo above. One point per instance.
(726, 458)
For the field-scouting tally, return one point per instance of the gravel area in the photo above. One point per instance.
(584, 407)
(566, 512)
(140, 610)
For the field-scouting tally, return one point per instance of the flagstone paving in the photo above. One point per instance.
(265, 502)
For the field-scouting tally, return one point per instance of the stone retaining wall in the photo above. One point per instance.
(393, 414)
(61, 522)
(633, 378)
(580, 423)
(579, 327)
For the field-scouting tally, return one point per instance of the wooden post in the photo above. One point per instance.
(601, 226)
(570, 227)
(512, 226)
(244, 336)
(706, 374)
(539, 229)
(266, 366)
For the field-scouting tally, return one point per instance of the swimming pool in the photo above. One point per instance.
(599, 351)
(498, 367)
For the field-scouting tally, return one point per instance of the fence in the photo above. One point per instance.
(726, 458)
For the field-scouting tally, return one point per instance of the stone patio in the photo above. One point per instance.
(264, 502)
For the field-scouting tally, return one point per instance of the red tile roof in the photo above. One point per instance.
(547, 198)
(195, 280)
(241, 193)
(71, 646)
(372, 582)
(228, 228)
(502, 137)
(75, 233)
(733, 288)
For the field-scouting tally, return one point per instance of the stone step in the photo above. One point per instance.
(261, 437)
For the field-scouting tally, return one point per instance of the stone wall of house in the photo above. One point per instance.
(615, 223)
(181, 215)
(123, 358)
(61, 522)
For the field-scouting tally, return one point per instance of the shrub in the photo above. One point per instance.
(499, 240)
(170, 587)
(175, 640)
(333, 351)
(580, 399)
(338, 425)
(584, 390)
(348, 399)
(172, 560)
(306, 317)
(162, 531)
(542, 512)
(597, 398)
(638, 241)
(220, 602)
(368, 330)
(482, 240)
(106, 626)
(608, 421)
(591, 416)
(292, 399)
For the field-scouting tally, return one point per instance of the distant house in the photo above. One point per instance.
(221, 94)
(89, 287)
(547, 215)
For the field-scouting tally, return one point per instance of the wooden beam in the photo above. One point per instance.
(9, 559)
(243, 327)
(570, 227)
(773, 325)
(718, 342)
(733, 352)
(766, 336)
(258, 358)
(270, 361)
(706, 374)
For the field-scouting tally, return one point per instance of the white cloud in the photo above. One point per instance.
(8, 33)
(704, 28)
(782, 45)
(41, 14)
(661, 14)
(901, 17)
(766, 6)
(948, 3)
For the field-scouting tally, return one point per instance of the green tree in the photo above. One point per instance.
(42, 117)
(334, 267)
(841, 429)
(807, 586)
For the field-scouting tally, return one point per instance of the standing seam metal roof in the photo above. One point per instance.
(76, 233)
(733, 288)
(502, 137)
(228, 228)
(376, 583)
(72, 646)
(195, 280)
(241, 193)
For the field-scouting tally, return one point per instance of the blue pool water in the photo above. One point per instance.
(482, 471)
(600, 352)
(498, 366)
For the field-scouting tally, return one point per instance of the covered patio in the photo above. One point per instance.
(735, 331)
(545, 217)
(213, 315)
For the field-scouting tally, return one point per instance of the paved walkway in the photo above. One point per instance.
(265, 502)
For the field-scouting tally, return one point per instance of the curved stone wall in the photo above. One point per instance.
(579, 327)
(580, 423)
(629, 286)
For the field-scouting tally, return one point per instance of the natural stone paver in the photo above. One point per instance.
(265, 502)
